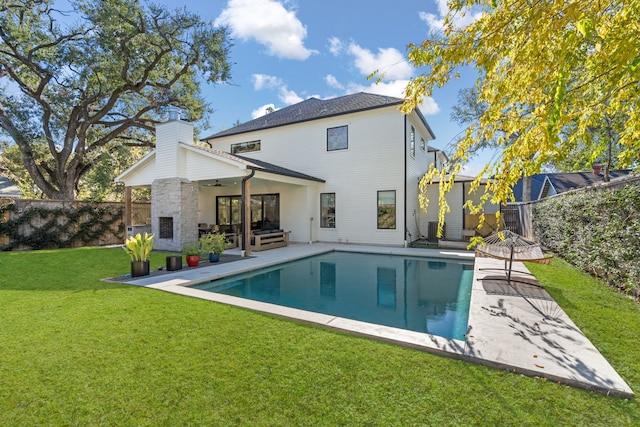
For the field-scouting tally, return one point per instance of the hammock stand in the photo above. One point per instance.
(508, 246)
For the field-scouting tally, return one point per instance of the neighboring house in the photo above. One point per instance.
(9, 189)
(549, 184)
(343, 170)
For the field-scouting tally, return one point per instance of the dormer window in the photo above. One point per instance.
(245, 147)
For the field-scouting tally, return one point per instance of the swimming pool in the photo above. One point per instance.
(429, 295)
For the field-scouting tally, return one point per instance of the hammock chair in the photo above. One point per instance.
(509, 246)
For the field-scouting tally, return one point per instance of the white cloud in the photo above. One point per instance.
(268, 23)
(463, 19)
(289, 97)
(335, 46)
(261, 111)
(265, 81)
(333, 81)
(388, 61)
(396, 89)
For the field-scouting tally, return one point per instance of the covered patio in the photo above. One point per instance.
(196, 189)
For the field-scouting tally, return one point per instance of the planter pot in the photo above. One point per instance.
(193, 260)
(214, 257)
(174, 263)
(139, 268)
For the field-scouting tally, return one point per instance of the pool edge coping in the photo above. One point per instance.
(609, 383)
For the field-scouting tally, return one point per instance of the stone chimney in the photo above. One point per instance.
(597, 168)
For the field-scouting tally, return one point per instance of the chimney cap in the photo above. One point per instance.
(174, 113)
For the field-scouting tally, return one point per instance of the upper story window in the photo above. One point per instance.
(423, 144)
(337, 138)
(412, 142)
(245, 147)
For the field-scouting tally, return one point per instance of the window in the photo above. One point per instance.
(265, 212)
(229, 213)
(412, 142)
(387, 209)
(423, 144)
(337, 138)
(328, 210)
(245, 147)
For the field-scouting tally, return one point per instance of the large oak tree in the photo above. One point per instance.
(81, 83)
(550, 73)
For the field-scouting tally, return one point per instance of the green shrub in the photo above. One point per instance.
(597, 230)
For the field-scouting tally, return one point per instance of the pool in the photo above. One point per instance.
(428, 295)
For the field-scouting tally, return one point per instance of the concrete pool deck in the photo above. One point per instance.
(516, 327)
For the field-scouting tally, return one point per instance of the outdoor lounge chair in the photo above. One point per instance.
(509, 246)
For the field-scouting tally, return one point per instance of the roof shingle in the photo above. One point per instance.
(313, 109)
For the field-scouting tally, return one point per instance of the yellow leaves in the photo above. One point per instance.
(549, 71)
(586, 27)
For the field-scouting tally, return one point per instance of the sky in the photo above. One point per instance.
(286, 51)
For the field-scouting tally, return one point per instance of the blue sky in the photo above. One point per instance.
(285, 51)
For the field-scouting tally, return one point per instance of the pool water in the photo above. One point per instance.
(429, 295)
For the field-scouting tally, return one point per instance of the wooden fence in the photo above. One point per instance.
(47, 224)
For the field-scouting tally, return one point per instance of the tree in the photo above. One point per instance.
(80, 85)
(544, 68)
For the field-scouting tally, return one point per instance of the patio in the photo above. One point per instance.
(518, 328)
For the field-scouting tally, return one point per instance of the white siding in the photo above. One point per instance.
(143, 174)
(453, 220)
(489, 208)
(417, 166)
(168, 137)
(374, 161)
(197, 167)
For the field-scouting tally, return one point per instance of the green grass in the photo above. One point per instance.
(78, 351)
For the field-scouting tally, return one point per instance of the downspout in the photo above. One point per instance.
(242, 211)
(405, 183)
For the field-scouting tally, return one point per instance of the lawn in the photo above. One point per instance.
(78, 351)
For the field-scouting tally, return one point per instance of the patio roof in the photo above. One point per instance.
(257, 165)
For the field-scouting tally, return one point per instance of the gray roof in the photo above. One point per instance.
(8, 188)
(314, 109)
(259, 165)
(568, 181)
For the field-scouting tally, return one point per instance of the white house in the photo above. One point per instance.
(342, 170)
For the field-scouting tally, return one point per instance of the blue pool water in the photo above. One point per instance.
(419, 294)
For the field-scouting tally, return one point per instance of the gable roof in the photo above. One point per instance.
(562, 182)
(314, 109)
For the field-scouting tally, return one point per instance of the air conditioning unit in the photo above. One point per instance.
(132, 230)
(432, 231)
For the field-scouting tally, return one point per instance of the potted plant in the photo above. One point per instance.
(192, 252)
(214, 244)
(138, 248)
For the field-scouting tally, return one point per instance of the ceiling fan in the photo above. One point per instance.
(217, 184)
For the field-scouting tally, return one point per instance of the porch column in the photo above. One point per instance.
(246, 223)
(246, 214)
(127, 207)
